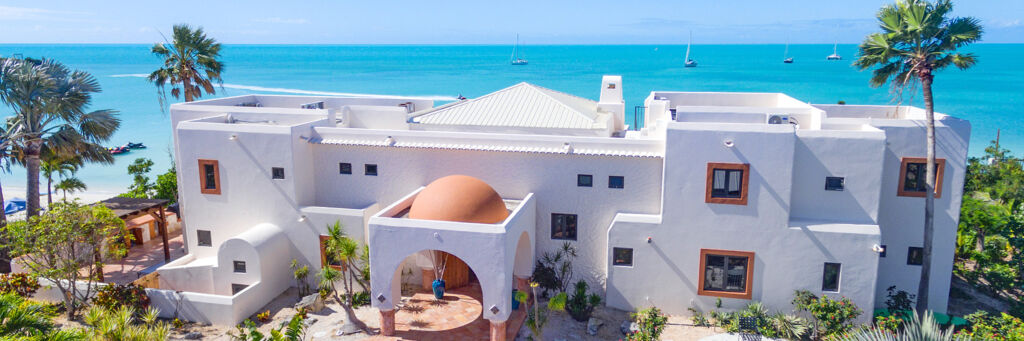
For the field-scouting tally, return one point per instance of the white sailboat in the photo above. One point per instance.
(516, 60)
(689, 62)
(835, 54)
(785, 55)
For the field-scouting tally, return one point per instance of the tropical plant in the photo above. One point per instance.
(918, 38)
(537, 318)
(19, 283)
(580, 305)
(554, 270)
(115, 296)
(916, 329)
(67, 246)
(123, 325)
(191, 64)
(698, 318)
(353, 269)
(167, 185)
(789, 327)
(293, 330)
(7, 136)
(21, 318)
(987, 327)
(651, 323)
(300, 273)
(49, 102)
(898, 302)
(141, 186)
(62, 166)
(829, 317)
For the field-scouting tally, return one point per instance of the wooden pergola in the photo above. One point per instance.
(131, 208)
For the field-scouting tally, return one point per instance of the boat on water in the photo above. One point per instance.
(516, 59)
(689, 62)
(785, 55)
(835, 54)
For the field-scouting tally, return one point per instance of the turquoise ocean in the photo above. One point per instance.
(990, 95)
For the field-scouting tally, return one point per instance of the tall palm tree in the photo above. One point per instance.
(70, 185)
(49, 102)
(191, 64)
(52, 164)
(917, 39)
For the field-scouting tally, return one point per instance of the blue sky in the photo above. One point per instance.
(473, 22)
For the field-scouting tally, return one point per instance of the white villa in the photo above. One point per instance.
(734, 196)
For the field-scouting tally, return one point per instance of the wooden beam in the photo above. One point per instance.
(162, 221)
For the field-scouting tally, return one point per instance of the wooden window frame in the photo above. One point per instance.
(940, 166)
(323, 253)
(748, 291)
(202, 176)
(744, 187)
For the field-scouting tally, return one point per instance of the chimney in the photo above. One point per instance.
(611, 101)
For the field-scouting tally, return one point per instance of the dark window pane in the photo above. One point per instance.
(830, 278)
(727, 183)
(622, 256)
(203, 238)
(914, 179)
(210, 173)
(277, 173)
(884, 250)
(239, 266)
(563, 226)
(835, 183)
(616, 182)
(235, 288)
(915, 256)
(371, 169)
(584, 180)
(345, 168)
(725, 273)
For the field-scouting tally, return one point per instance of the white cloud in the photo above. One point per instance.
(25, 13)
(1007, 23)
(278, 20)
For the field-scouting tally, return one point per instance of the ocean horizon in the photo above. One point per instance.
(988, 94)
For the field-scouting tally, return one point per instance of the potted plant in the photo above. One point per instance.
(439, 264)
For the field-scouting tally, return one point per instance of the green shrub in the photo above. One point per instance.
(122, 324)
(580, 305)
(831, 317)
(986, 327)
(699, 319)
(115, 296)
(651, 322)
(21, 284)
(1001, 276)
(360, 299)
(293, 330)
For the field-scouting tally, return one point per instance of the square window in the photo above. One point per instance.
(913, 177)
(830, 277)
(209, 177)
(239, 266)
(835, 183)
(277, 173)
(563, 226)
(727, 183)
(371, 169)
(915, 256)
(236, 288)
(203, 238)
(345, 168)
(726, 273)
(584, 180)
(616, 181)
(622, 256)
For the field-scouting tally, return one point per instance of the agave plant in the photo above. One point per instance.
(916, 329)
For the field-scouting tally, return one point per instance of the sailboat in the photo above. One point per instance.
(689, 62)
(516, 60)
(835, 54)
(785, 55)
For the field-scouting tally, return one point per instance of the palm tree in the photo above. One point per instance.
(49, 102)
(61, 166)
(916, 40)
(70, 185)
(7, 135)
(21, 318)
(339, 247)
(191, 64)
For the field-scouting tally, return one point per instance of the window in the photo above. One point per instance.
(203, 238)
(611, 85)
(835, 183)
(235, 288)
(915, 256)
(239, 266)
(345, 168)
(913, 177)
(324, 260)
(727, 183)
(209, 177)
(584, 180)
(277, 173)
(622, 256)
(830, 278)
(371, 169)
(616, 181)
(726, 273)
(884, 249)
(563, 226)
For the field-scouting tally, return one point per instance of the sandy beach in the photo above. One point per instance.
(88, 196)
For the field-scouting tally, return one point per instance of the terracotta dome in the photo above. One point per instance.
(459, 198)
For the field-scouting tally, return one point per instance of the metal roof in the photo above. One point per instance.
(495, 147)
(520, 105)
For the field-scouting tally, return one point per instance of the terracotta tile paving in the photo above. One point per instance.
(141, 257)
(456, 317)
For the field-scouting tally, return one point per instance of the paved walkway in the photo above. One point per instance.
(141, 257)
(457, 317)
